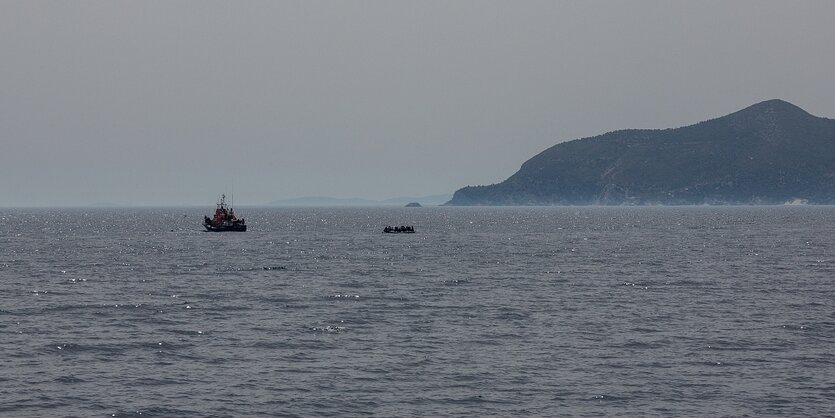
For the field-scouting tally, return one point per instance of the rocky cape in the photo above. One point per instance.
(770, 153)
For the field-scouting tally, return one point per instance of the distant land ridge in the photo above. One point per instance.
(321, 201)
(770, 153)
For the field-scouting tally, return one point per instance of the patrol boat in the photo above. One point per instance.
(224, 219)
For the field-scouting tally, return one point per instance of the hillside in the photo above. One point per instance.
(770, 153)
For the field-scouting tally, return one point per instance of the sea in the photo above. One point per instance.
(511, 311)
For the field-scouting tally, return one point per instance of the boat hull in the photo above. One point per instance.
(225, 228)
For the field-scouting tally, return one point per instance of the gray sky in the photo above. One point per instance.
(174, 102)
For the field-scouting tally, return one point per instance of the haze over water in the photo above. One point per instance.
(171, 103)
(484, 311)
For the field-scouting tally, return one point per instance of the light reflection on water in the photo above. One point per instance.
(535, 311)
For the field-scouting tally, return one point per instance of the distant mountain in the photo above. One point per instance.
(770, 153)
(433, 200)
(318, 201)
(314, 201)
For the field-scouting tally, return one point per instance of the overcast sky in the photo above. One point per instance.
(174, 102)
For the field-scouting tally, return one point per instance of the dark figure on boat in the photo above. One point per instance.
(399, 229)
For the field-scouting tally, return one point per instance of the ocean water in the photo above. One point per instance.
(582, 311)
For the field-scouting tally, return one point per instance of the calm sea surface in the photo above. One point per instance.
(484, 311)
